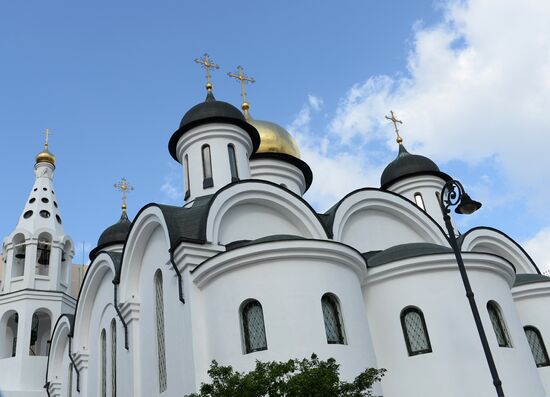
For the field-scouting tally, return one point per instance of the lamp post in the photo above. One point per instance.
(453, 195)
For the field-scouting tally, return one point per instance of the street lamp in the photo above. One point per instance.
(453, 195)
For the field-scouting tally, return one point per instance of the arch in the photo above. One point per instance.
(41, 326)
(59, 369)
(43, 254)
(415, 331)
(146, 223)
(9, 328)
(66, 261)
(499, 325)
(103, 363)
(536, 343)
(19, 254)
(370, 219)
(332, 316)
(493, 241)
(248, 210)
(101, 267)
(252, 326)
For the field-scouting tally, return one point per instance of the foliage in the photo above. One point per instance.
(294, 378)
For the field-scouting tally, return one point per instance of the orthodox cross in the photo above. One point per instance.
(123, 187)
(207, 64)
(46, 143)
(243, 79)
(395, 121)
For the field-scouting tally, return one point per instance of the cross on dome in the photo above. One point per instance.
(124, 187)
(395, 121)
(243, 79)
(207, 64)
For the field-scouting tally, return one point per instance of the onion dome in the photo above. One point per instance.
(212, 111)
(276, 142)
(408, 165)
(114, 234)
(45, 157)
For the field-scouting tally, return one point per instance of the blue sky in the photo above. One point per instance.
(113, 79)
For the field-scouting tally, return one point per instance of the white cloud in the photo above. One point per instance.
(172, 188)
(477, 87)
(539, 249)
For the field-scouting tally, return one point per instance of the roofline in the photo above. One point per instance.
(440, 174)
(295, 161)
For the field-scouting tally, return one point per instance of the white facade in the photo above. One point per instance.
(246, 270)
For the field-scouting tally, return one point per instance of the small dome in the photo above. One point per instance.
(45, 157)
(212, 111)
(275, 139)
(117, 233)
(407, 164)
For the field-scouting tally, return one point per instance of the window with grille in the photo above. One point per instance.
(499, 326)
(232, 163)
(113, 358)
(103, 359)
(253, 326)
(333, 320)
(415, 331)
(207, 167)
(537, 346)
(161, 347)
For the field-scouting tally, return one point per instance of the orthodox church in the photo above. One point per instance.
(247, 270)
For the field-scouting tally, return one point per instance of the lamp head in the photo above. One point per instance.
(467, 206)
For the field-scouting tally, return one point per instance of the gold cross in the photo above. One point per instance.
(207, 64)
(243, 79)
(46, 143)
(123, 187)
(395, 121)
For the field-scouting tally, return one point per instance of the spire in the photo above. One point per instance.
(207, 64)
(395, 121)
(45, 156)
(124, 187)
(243, 79)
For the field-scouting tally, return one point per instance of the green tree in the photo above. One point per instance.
(294, 378)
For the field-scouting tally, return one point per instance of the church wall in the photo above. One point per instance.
(457, 365)
(279, 172)
(532, 305)
(288, 278)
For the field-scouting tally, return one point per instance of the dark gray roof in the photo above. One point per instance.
(212, 111)
(298, 163)
(114, 234)
(407, 164)
(116, 257)
(266, 239)
(522, 279)
(403, 251)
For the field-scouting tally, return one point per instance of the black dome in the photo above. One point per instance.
(212, 111)
(115, 234)
(407, 164)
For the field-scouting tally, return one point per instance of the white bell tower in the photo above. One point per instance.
(37, 275)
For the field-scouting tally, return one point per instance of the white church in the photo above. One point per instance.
(247, 270)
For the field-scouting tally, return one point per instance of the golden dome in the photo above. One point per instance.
(45, 157)
(274, 138)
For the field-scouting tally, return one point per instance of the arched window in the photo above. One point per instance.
(207, 167)
(159, 317)
(18, 264)
(537, 346)
(70, 381)
(8, 346)
(252, 317)
(419, 200)
(113, 358)
(103, 364)
(40, 333)
(333, 319)
(44, 249)
(66, 262)
(499, 326)
(415, 331)
(186, 170)
(233, 163)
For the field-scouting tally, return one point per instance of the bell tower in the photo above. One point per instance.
(37, 278)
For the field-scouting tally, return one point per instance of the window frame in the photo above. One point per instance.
(335, 302)
(502, 323)
(534, 329)
(207, 174)
(234, 170)
(247, 348)
(411, 352)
